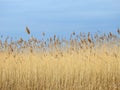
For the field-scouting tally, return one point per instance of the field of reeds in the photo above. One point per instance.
(82, 62)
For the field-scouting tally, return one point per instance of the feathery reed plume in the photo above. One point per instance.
(11, 49)
(110, 34)
(118, 31)
(20, 41)
(50, 40)
(88, 34)
(54, 37)
(89, 39)
(27, 30)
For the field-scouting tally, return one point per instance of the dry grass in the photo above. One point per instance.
(80, 63)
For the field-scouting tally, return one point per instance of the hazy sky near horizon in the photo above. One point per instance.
(59, 16)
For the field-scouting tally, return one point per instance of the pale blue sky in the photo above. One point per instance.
(58, 16)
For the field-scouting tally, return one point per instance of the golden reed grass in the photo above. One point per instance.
(85, 62)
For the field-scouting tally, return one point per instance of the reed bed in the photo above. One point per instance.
(84, 62)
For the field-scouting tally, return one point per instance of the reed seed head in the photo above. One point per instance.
(27, 30)
(118, 31)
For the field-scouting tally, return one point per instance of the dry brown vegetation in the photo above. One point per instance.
(84, 62)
